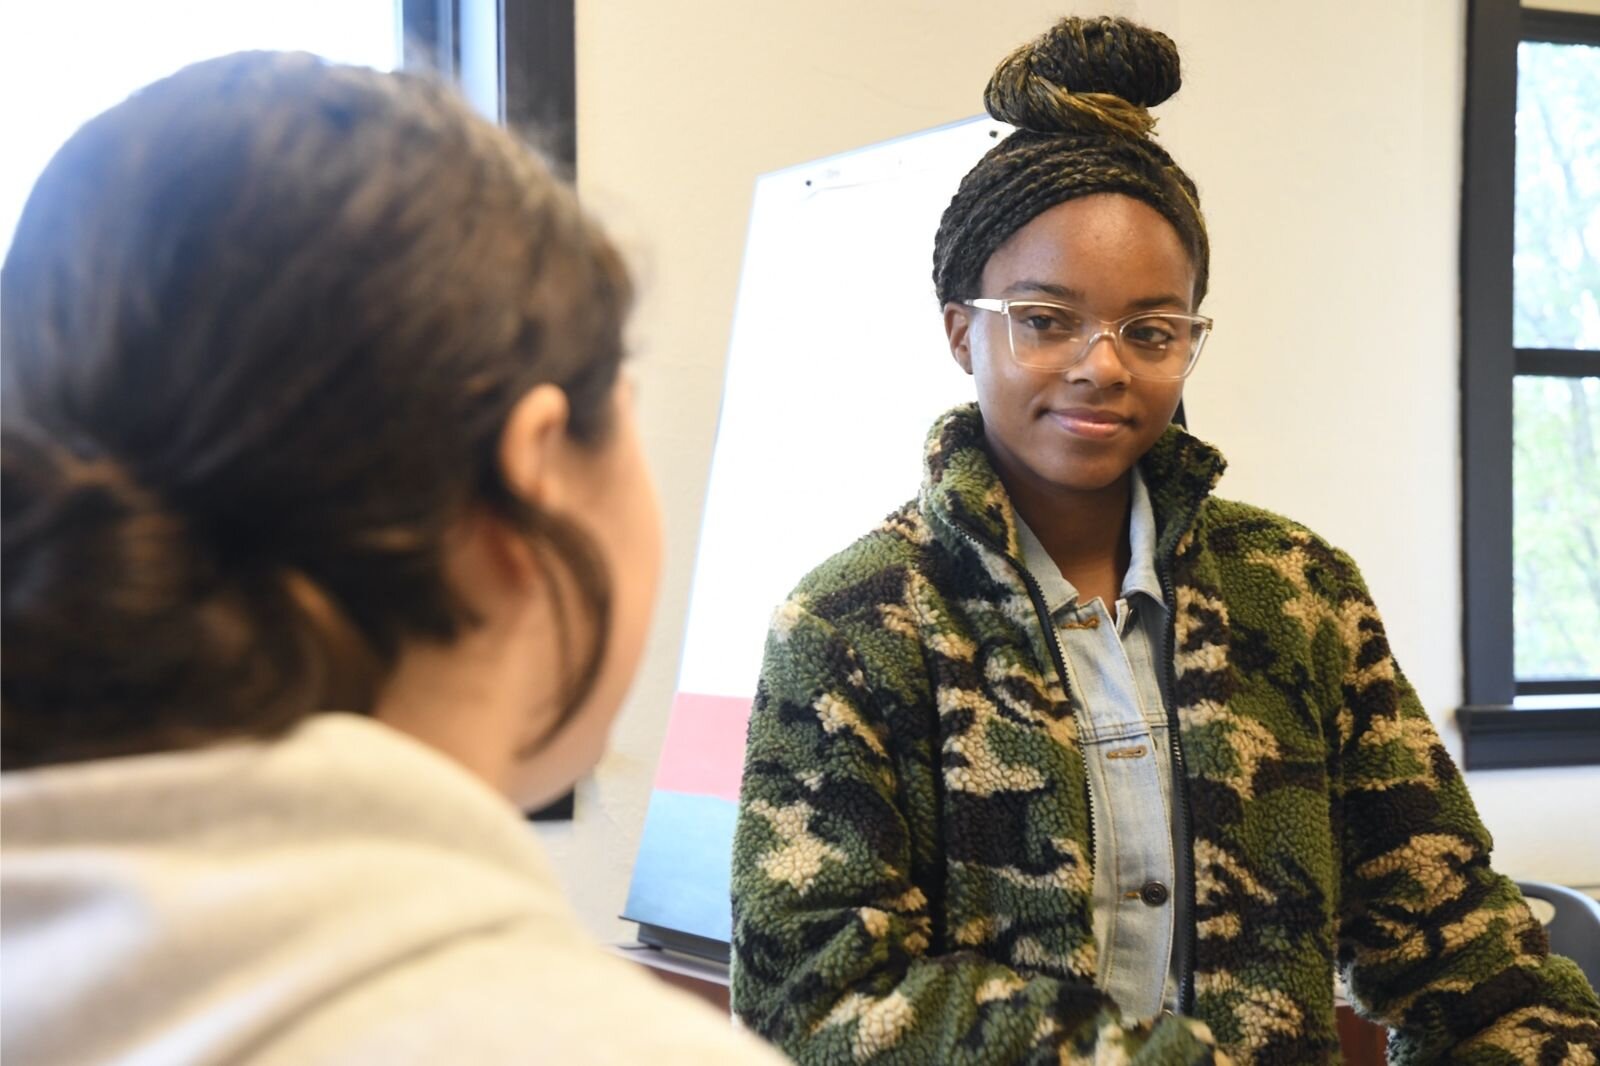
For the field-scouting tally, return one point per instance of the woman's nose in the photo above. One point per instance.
(1101, 365)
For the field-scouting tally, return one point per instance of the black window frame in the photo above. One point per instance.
(525, 51)
(1496, 733)
(531, 61)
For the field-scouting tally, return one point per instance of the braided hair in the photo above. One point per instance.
(1079, 97)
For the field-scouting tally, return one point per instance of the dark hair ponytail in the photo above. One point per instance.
(262, 325)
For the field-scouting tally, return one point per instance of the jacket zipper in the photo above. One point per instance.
(1036, 595)
(1180, 781)
(1180, 794)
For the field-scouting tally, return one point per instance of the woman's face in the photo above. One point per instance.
(617, 505)
(1082, 429)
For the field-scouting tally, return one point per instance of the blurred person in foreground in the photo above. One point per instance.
(327, 536)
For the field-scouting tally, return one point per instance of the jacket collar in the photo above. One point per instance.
(960, 484)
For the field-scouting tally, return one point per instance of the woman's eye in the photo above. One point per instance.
(1151, 333)
(1049, 320)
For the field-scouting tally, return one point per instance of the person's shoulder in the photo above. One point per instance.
(1235, 518)
(1233, 532)
(892, 546)
(512, 996)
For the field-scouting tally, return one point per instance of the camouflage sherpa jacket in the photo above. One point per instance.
(912, 865)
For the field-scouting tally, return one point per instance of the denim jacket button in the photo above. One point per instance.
(1153, 893)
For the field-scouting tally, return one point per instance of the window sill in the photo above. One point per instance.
(1534, 731)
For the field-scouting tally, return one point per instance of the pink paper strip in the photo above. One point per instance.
(704, 750)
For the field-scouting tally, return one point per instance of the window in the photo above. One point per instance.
(1531, 386)
(72, 59)
(516, 61)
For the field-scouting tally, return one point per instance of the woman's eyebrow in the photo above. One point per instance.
(1071, 295)
(1026, 285)
(1166, 299)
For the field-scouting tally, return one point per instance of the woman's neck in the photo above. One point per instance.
(1085, 532)
(473, 698)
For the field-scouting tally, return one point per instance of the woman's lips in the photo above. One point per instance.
(1090, 422)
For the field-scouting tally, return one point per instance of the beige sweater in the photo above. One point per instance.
(344, 895)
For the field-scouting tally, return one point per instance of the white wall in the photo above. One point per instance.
(1327, 154)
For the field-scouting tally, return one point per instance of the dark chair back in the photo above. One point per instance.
(1575, 929)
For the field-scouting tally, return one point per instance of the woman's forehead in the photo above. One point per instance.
(1107, 248)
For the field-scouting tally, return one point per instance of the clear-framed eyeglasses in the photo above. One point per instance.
(1155, 345)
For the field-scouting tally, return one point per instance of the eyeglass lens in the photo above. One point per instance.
(1050, 337)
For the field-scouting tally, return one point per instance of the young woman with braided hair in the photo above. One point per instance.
(1071, 760)
(327, 530)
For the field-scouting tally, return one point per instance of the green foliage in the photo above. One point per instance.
(1556, 462)
(1556, 478)
(1557, 238)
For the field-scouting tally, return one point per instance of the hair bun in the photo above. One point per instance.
(82, 539)
(1086, 75)
(91, 560)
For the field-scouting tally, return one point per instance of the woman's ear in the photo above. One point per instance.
(957, 327)
(532, 446)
